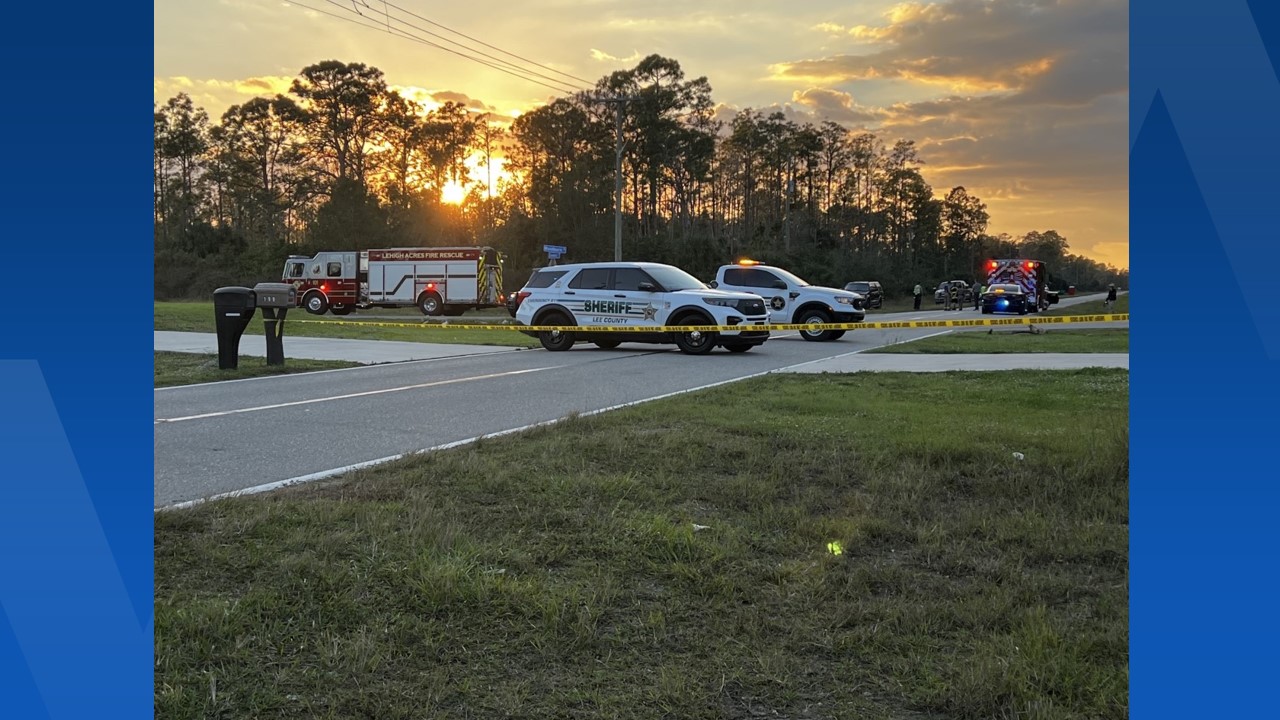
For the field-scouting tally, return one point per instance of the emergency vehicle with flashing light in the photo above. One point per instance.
(1030, 275)
(635, 297)
(439, 281)
(791, 300)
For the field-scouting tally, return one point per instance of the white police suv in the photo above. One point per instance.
(791, 300)
(633, 297)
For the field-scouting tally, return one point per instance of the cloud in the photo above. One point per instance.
(602, 56)
(835, 105)
(1062, 52)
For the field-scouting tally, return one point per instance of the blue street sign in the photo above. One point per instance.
(554, 249)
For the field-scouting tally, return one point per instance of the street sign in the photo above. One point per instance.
(555, 249)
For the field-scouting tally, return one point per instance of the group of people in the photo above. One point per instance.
(951, 299)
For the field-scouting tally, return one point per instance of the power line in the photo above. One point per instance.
(410, 36)
(507, 63)
(491, 47)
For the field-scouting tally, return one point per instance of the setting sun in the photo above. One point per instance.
(453, 192)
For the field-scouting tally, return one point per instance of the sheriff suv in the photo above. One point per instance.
(635, 297)
(792, 300)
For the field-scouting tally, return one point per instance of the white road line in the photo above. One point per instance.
(351, 395)
(361, 366)
(323, 474)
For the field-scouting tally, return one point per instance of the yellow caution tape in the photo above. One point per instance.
(906, 324)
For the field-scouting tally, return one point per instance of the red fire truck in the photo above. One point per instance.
(1030, 275)
(439, 281)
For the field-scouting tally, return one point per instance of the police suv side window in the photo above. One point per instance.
(630, 279)
(591, 279)
(760, 279)
(545, 278)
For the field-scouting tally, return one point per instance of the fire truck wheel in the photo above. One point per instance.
(453, 311)
(555, 340)
(430, 304)
(317, 304)
(815, 317)
(340, 309)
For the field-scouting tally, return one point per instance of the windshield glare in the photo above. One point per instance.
(672, 279)
(789, 277)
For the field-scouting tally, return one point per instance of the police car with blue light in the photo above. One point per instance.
(1005, 298)
(636, 298)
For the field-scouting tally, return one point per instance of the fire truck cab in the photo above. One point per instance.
(439, 281)
(1030, 275)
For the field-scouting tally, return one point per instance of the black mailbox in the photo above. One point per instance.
(233, 308)
(275, 299)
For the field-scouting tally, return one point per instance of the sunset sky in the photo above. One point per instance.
(1023, 102)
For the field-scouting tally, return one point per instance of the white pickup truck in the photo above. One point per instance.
(792, 301)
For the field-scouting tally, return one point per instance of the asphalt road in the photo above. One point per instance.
(221, 437)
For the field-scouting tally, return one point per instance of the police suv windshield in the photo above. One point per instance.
(672, 278)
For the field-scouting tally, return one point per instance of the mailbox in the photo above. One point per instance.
(275, 299)
(233, 308)
(276, 295)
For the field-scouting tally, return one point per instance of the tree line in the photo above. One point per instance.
(342, 161)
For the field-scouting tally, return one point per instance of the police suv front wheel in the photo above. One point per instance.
(816, 317)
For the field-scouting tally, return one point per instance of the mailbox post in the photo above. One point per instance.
(275, 299)
(233, 308)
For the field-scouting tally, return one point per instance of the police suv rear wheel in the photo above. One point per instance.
(737, 348)
(607, 344)
(555, 340)
(815, 317)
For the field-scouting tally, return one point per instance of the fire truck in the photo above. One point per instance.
(1030, 275)
(439, 281)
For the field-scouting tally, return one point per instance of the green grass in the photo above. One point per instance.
(198, 317)
(175, 368)
(1007, 340)
(670, 560)
(1093, 307)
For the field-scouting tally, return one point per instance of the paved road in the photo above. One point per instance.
(222, 437)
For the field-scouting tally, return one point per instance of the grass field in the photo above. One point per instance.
(174, 368)
(1006, 340)
(672, 560)
(198, 317)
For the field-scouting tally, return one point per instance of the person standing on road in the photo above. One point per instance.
(1111, 296)
(978, 289)
(918, 292)
(953, 294)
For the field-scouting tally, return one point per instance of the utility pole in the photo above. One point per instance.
(621, 100)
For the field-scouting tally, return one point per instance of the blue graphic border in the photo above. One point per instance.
(1204, 104)
(76, 369)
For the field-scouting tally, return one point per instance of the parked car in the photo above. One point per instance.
(1005, 298)
(870, 289)
(966, 292)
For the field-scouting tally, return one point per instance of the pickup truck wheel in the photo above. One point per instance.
(815, 317)
(316, 304)
(555, 340)
(430, 304)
